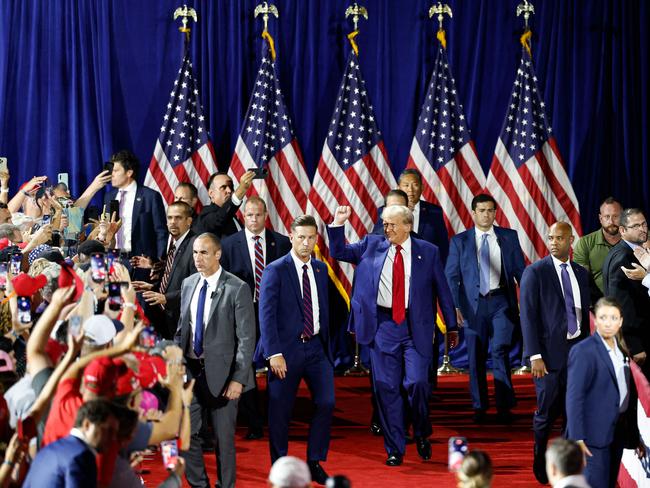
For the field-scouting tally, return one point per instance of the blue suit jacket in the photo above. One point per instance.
(66, 463)
(463, 273)
(543, 312)
(431, 227)
(235, 257)
(280, 308)
(592, 397)
(148, 225)
(428, 287)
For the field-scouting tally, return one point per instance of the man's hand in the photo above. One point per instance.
(278, 366)
(154, 298)
(342, 214)
(460, 320)
(188, 393)
(34, 183)
(245, 183)
(62, 296)
(538, 368)
(41, 236)
(174, 378)
(585, 450)
(643, 255)
(141, 285)
(144, 262)
(637, 272)
(639, 358)
(101, 180)
(233, 391)
(452, 338)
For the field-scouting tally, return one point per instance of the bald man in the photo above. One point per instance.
(554, 303)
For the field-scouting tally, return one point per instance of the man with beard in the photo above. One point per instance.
(592, 249)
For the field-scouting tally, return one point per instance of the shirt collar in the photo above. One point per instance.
(76, 432)
(607, 346)
(479, 232)
(416, 207)
(178, 241)
(557, 262)
(631, 244)
(130, 188)
(250, 235)
(213, 278)
(406, 245)
(298, 262)
(577, 480)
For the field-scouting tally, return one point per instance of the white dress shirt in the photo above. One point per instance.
(622, 373)
(78, 433)
(416, 217)
(127, 212)
(576, 291)
(314, 291)
(646, 282)
(495, 255)
(177, 242)
(194, 304)
(385, 294)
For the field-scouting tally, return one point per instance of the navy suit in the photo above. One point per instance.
(544, 327)
(281, 326)
(431, 227)
(148, 228)
(400, 353)
(218, 220)
(66, 463)
(592, 406)
(489, 319)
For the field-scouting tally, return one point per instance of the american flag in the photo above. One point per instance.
(443, 151)
(353, 170)
(527, 176)
(267, 140)
(183, 150)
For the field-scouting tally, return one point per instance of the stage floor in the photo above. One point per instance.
(355, 452)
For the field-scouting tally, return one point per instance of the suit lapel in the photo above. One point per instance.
(604, 356)
(271, 248)
(243, 250)
(553, 278)
(216, 296)
(293, 278)
(137, 205)
(378, 265)
(180, 250)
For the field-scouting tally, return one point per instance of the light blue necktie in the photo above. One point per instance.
(198, 330)
(484, 266)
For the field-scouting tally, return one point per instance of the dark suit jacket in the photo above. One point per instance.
(543, 312)
(66, 463)
(428, 287)
(593, 397)
(281, 315)
(631, 294)
(148, 227)
(235, 257)
(431, 227)
(229, 337)
(216, 219)
(463, 274)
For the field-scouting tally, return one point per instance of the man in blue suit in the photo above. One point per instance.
(428, 223)
(399, 280)
(554, 301)
(143, 231)
(482, 267)
(246, 254)
(294, 327)
(70, 461)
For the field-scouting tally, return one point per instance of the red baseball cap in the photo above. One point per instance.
(100, 377)
(150, 367)
(25, 286)
(69, 277)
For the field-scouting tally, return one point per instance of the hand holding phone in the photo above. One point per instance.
(98, 267)
(457, 450)
(260, 173)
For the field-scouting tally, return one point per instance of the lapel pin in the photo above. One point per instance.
(419, 257)
(139, 199)
(273, 243)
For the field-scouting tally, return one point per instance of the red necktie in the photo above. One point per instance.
(399, 305)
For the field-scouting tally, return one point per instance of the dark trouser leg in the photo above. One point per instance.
(551, 395)
(249, 406)
(416, 384)
(477, 356)
(194, 464)
(501, 330)
(224, 420)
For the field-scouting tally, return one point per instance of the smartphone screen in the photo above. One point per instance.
(169, 451)
(3, 276)
(112, 256)
(260, 173)
(63, 178)
(457, 450)
(98, 267)
(16, 263)
(24, 310)
(114, 209)
(47, 219)
(115, 296)
(56, 238)
(148, 338)
(74, 325)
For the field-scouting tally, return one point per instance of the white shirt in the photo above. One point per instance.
(622, 373)
(495, 255)
(632, 244)
(250, 242)
(194, 304)
(416, 217)
(577, 480)
(314, 291)
(127, 212)
(385, 294)
(177, 242)
(76, 432)
(646, 282)
(576, 291)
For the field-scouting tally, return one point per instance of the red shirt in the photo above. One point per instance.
(63, 411)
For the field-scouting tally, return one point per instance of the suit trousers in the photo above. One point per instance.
(396, 363)
(311, 364)
(223, 414)
(602, 468)
(491, 326)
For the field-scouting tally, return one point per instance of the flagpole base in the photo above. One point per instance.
(521, 370)
(357, 369)
(447, 368)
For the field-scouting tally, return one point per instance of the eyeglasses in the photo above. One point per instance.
(390, 226)
(642, 225)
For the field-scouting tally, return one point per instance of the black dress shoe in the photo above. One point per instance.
(479, 416)
(394, 460)
(318, 474)
(539, 465)
(254, 434)
(504, 417)
(376, 429)
(424, 447)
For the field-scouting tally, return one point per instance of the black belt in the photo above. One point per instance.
(195, 363)
(305, 338)
(494, 293)
(388, 311)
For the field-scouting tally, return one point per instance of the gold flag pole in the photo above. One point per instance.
(526, 9)
(185, 13)
(265, 9)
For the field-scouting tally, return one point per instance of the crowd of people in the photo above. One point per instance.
(134, 324)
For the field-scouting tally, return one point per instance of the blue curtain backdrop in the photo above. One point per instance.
(80, 80)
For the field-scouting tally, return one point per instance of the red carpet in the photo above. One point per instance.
(357, 454)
